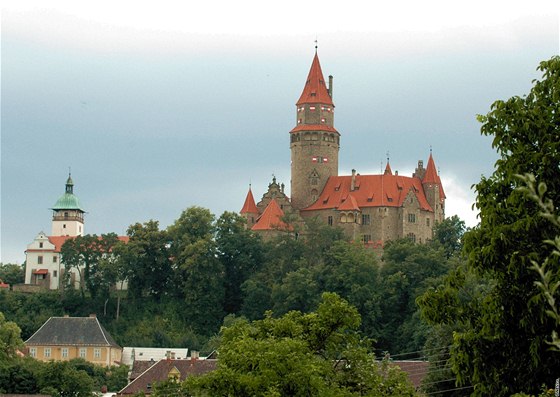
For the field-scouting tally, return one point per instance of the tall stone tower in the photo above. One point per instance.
(314, 142)
(68, 215)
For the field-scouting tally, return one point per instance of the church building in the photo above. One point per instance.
(370, 208)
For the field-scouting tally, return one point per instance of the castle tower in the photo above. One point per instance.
(433, 190)
(314, 142)
(68, 215)
(250, 210)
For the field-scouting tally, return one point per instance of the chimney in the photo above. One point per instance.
(330, 85)
(194, 355)
(353, 183)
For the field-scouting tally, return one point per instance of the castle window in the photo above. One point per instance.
(323, 120)
(312, 108)
(330, 220)
(427, 221)
(47, 352)
(55, 273)
(97, 353)
(343, 218)
(40, 245)
(65, 215)
(64, 352)
(54, 259)
(64, 226)
(40, 260)
(412, 218)
(33, 352)
(412, 237)
(83, 352)
(366, 220)
(299, 121)
(366, 238)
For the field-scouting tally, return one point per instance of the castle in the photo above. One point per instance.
(371, 208)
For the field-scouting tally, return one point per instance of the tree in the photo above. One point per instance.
(503, 347)
(10, 340)
(314, 354)
(240, 252)
(449, 233)
(199, 275)
(145, 260)
(12, 274)
(89, 255)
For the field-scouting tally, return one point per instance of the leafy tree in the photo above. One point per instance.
(145, 260)
(449, 233)
(240, 252)
(408, 270)
(89, 256)
(199, 275)
(61, 379)
(503, 347)
(10, 340)
(12, 274)
(315, 354)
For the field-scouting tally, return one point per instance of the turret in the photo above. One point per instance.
(250, 210)
(314, 142)
(68, 215)
(433, 190)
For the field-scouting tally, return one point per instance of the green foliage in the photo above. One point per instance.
(314, 354)
(449, 233)
(11, 273)
(501, 348)
(10, 340)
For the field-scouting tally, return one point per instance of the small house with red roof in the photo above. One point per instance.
(43, 267)
(371, 208)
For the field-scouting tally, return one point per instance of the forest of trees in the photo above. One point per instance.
(480, 304)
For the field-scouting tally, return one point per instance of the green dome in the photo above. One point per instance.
(68, 201)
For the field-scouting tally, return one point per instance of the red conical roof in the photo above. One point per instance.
(271, 218)
(431, 176)
(249, 207)
(388, 170)
(315, 90)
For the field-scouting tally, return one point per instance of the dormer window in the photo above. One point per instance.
(311, 108)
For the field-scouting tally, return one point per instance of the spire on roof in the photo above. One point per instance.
(249, 207)
(431, 175)
(388, 170)
(69, 183)
(315, 90)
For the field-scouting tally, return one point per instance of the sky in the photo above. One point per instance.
(159, 107)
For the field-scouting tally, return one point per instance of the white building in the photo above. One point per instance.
(42, 257)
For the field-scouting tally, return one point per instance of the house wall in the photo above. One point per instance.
(104, 356)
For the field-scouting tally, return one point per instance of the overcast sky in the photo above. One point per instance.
(163, 106)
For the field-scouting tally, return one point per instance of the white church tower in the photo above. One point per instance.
(68, 215)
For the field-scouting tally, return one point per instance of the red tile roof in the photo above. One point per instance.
(271, 218)
(314, 127)
(249, 207)
(315, 90)
(160, 372)
(58, 241)
(350, 204)
(41, 271)
(431, 176)
(370, 191)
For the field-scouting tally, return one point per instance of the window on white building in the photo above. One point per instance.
(40, 260)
